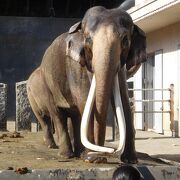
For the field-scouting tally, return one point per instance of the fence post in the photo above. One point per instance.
(3, 106)
(25, 119)
(172, 125)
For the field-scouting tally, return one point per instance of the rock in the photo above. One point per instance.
(23, 170)
(10, 168)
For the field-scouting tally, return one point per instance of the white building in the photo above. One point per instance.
(160, 19)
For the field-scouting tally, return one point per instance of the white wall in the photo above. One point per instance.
(138, 120)
(167, 39)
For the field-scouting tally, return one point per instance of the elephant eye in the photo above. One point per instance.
(82, 52)
(125, 41)
(69, 44)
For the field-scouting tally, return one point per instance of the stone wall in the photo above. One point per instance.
(3, 105)
(25, 119)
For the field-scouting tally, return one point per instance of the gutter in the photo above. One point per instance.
(150, 8)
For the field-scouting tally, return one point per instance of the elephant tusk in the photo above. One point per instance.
(85, 122)
(120, 116)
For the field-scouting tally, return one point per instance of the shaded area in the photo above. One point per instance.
(56, 8)
(170, 157)
(23, 41)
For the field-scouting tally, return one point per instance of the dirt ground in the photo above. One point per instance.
(28, 150)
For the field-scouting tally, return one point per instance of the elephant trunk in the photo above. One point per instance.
(104, 83)
(106, 53)
(105, 63)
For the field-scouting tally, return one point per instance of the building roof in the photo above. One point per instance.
(155, 14)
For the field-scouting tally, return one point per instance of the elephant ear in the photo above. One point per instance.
(77, 50)
(137, 51)
(76, 27)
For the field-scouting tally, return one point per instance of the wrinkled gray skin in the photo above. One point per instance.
(116, 44)
(106, 42)
(58, 89)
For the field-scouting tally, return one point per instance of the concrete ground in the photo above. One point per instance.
(155, 145)
(158, 145)
(26, 157)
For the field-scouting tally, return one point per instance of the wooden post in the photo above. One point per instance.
(172, 125)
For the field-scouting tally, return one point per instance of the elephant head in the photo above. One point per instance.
(114, 41)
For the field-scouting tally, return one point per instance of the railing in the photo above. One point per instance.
(170, 100)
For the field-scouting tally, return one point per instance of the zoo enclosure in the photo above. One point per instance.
(26, 120)
(170, 101)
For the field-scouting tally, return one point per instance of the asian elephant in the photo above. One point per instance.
(117, 46)
(105, 43)
(58, 89)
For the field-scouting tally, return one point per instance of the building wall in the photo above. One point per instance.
(167, 39)
(23, 41)
(138, 117)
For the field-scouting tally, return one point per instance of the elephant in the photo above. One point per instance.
(117, 46)
(58, 89)
(105, 43)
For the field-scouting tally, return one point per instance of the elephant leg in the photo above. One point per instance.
(45, 123)
(64, 142)
(129, 154)
(78, 147)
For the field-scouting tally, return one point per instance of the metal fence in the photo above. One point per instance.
(170, 101)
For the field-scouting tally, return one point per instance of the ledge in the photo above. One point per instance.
(155, 14)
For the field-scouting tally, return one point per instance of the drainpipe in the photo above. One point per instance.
(179, 89)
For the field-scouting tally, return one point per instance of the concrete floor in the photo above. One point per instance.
(157, 145)
(154, 144)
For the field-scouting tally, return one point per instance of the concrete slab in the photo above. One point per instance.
(148, 172)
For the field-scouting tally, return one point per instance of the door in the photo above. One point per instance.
(158, 95)
(148, 76)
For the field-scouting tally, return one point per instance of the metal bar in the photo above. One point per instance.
(151, 100)
(151, 111)
(171, 104)
(148, 89)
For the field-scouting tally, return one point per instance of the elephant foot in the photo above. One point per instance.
(91, 157)
(96, 160)
(129, 157)
(79, 151)
(66, 155)
(53, 146)
(50, 143)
